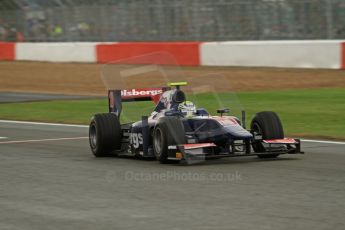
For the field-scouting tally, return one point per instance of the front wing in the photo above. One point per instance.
(196, 153)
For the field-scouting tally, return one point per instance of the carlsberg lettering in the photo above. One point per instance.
(134, 92)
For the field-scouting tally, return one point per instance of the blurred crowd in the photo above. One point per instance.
(40, 31)
(9, 32)
(163, 20)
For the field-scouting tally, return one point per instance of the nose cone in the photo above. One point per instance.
(237, 132)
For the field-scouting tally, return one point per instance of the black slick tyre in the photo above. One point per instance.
(168, 131)
(269, 126)
(104, 134)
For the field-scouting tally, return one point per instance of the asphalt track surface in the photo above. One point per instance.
(50, 180)
(10, 97)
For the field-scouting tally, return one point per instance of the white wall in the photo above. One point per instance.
(295, 54)
(57, 52)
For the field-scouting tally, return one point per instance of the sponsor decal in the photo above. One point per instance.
(198, 145)
(281, 141)
(136, 139)
(132, 93)
(226, 121)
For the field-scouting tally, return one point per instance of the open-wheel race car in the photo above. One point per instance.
(178, 131)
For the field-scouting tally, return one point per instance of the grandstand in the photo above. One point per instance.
(170, 20)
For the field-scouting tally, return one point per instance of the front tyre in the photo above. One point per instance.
(104, 134)
(268, 125)
(168, 131)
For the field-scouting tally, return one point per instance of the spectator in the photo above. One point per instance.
(84, 29)
(3, 33)
(20, 37)
(57, 32)
(12, 34)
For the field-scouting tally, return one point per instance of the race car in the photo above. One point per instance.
(178, 131)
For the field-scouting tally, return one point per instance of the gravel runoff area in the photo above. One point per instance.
(84, 79)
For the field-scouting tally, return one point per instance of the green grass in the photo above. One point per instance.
(318, 113)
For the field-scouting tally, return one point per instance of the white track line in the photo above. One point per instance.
(42, 123)
(42, 140)
(3, 138)
(325, 142)
(86, 126)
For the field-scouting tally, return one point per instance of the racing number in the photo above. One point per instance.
(136, 139)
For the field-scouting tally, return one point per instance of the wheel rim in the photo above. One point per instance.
(257, 145)
(257, 129)
(93, 136)
(158, 142)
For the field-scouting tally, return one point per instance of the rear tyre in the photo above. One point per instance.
(168, 131)
(268, 125)
(104, 134)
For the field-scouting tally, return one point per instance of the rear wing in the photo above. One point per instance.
(116, 97)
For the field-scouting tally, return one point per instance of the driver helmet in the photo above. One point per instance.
(187, 108)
